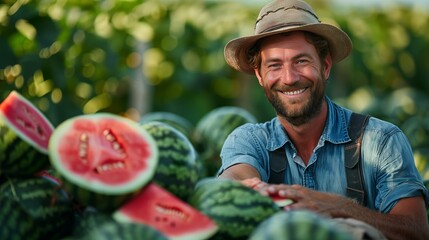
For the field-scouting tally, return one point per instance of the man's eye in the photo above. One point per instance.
(301, 61)
(275, 65)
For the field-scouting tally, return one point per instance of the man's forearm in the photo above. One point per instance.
(240, 172)
(393, 226)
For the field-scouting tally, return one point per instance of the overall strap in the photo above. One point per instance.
(277, 165)
(354, 175)
(353, 168)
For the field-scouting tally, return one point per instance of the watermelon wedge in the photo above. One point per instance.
(281, 202)
(158, 208)
(102, 159)
(28, 121)
(24, 137)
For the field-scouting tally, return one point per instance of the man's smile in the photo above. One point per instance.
(295, 92)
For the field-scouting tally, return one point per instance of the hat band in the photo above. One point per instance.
(283, 25)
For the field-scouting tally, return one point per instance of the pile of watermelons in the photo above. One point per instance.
(103, 176)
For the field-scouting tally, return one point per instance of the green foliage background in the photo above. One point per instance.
(134, 57)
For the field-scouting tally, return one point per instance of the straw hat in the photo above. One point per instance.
(285, 16)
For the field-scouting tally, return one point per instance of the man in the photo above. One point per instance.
(291, 54)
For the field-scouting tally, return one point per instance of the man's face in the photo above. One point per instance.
(293, 77)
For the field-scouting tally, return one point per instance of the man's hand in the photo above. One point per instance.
(327, 204)
(406, 220)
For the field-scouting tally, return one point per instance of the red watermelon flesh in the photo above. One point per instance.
(160, 209)
(256, 183)
(281, 201)
(29, 121)
(104, 153)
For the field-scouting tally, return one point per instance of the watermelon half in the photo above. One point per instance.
(101, 155)
(24, 137)
(156, 207)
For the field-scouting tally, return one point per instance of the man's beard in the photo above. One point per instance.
(306, 113)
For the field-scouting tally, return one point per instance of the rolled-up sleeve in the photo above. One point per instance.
(396, 176)
(242, 146)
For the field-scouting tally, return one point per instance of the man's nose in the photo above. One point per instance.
(289, 75)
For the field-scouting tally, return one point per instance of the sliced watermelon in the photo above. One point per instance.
(100, 155)
(278, 200)
(27, 121)
(281, 201)
(158, 208)
(24, 137)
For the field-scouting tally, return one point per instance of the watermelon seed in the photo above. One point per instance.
(28, 124)
(112, 139)
(110, 166)
(40, 132)
(83, 147)
(171, 211)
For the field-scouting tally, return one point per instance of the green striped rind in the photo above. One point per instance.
(89, 198)
(176, 170)
(121, 231)
(103, 197)
(215, 126)
(17, 157)
(88, 220)
(299, 225)
(34, 208)
(211, 132)
(235, 208)
(178, 122)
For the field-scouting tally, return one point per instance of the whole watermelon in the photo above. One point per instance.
(211, 132)
(299, 225)
(236, 209)
(177, 169)
(34, 208)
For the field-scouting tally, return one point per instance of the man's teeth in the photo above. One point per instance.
(294, 92)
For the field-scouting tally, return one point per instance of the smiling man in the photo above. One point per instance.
(303, 153)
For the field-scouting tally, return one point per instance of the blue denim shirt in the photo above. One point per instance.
(387, 158)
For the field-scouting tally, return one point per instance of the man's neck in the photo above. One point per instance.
(305, 137)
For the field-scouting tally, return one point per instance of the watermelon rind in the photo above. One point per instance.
(177, 121)
(121, 231)
(299, 225)
(88, 219)
(92, 192)
(177, 170)
(18, 158)
(211, 132)
(34, 208)
(236, 209)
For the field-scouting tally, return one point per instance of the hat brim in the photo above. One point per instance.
(340, 45)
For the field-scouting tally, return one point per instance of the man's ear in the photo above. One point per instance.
(328, 66)
(258, 76)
